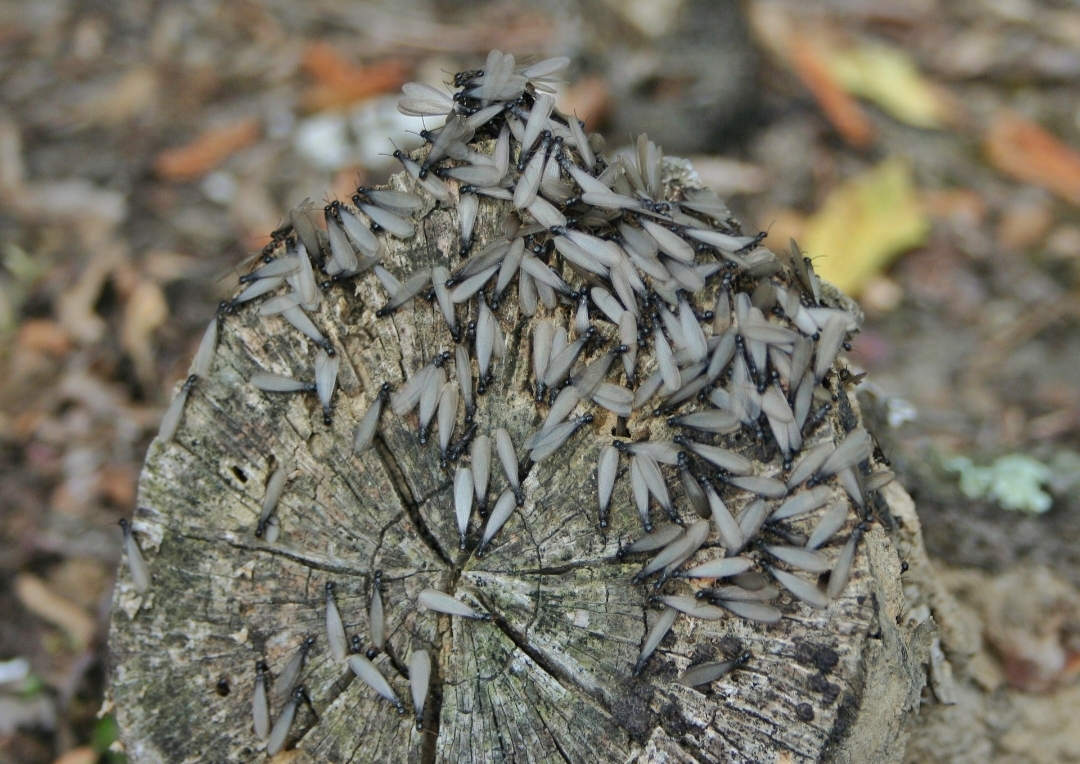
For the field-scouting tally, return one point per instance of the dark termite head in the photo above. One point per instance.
(302, 694)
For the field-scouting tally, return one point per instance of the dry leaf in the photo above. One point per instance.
(83, 755)
(340, 83)
(1028, 153)
(206, 152)
(44, 336)
(589, 99)
(81, 580)
(845, 113)
(75, 307)
(146, 309)
(132, 94)
(891, 80)
(39, 599)
(864, 224)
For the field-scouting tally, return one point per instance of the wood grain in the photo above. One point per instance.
(549, 679)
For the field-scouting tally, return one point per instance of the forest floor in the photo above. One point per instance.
(923, 152)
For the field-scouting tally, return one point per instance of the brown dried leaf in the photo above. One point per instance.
(1026, 152)
(340, 83)
(44, 336)
(82, 580)
(145, 311)
(207, 151)
(39, 599)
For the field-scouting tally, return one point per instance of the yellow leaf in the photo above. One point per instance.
(890, 79)
(864, 224)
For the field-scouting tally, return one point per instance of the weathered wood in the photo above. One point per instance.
(550, 677)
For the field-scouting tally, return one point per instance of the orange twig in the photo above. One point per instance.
(840, 108)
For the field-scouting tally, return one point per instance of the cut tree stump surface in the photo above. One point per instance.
(549, 678)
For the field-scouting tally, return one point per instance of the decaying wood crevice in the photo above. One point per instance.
(549, 677)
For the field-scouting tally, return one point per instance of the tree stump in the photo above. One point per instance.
(550, 677)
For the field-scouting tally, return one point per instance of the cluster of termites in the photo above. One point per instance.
(647, 306)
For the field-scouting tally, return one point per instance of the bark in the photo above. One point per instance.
(549, 678)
